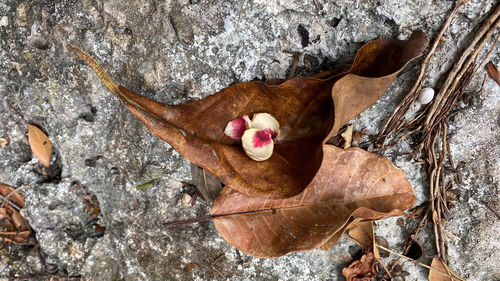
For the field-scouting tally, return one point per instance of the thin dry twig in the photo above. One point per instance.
(492, 209)
(5, 200)
(425, 19)
(316, 4)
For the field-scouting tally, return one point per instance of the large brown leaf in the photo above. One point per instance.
(349, 183)
(309, 111)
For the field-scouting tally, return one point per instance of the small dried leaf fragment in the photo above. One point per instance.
(414, 249)
(91, 203)
(435, 275)
(190, 266)
(40, 145)
(362, 270)
(207, 184)
(493, 72)
(383, 242)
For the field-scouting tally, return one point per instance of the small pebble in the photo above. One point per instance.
(3, 142)
(186, 200)
(426, 95)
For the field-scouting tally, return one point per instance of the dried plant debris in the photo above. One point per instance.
(393, 272)
(362, 233)
(441, 272)
(50, 174)
(362, 269)
(13, 226)
(209, 186)
(493, 72)
(91, 205)
(315, 111)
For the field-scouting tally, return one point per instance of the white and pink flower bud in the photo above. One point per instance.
(257, 135)
(266, 122)
(257, 144)
(235, 128)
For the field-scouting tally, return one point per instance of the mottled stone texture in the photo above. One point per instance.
(176, 51)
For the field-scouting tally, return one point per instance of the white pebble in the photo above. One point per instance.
(4, 21)
(426, 95)
(186, 200)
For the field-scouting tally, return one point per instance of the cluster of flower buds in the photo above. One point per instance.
(257, 135)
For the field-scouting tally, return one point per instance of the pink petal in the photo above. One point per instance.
(235, 128)
(261, 138)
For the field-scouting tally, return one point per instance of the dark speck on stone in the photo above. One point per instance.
(304, 35)
(334, 22)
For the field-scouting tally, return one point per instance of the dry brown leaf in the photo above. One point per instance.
(350, 182)
(16, 197)
(493, 72)
(435, 275)
(362, 232)
(309, 110)
(13, 227)
(40, 144)
(5, 222)
(15, 237)
(362, 270)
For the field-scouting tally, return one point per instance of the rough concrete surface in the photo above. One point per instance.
(177, 51)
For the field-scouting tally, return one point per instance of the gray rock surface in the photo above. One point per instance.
(176, 51)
